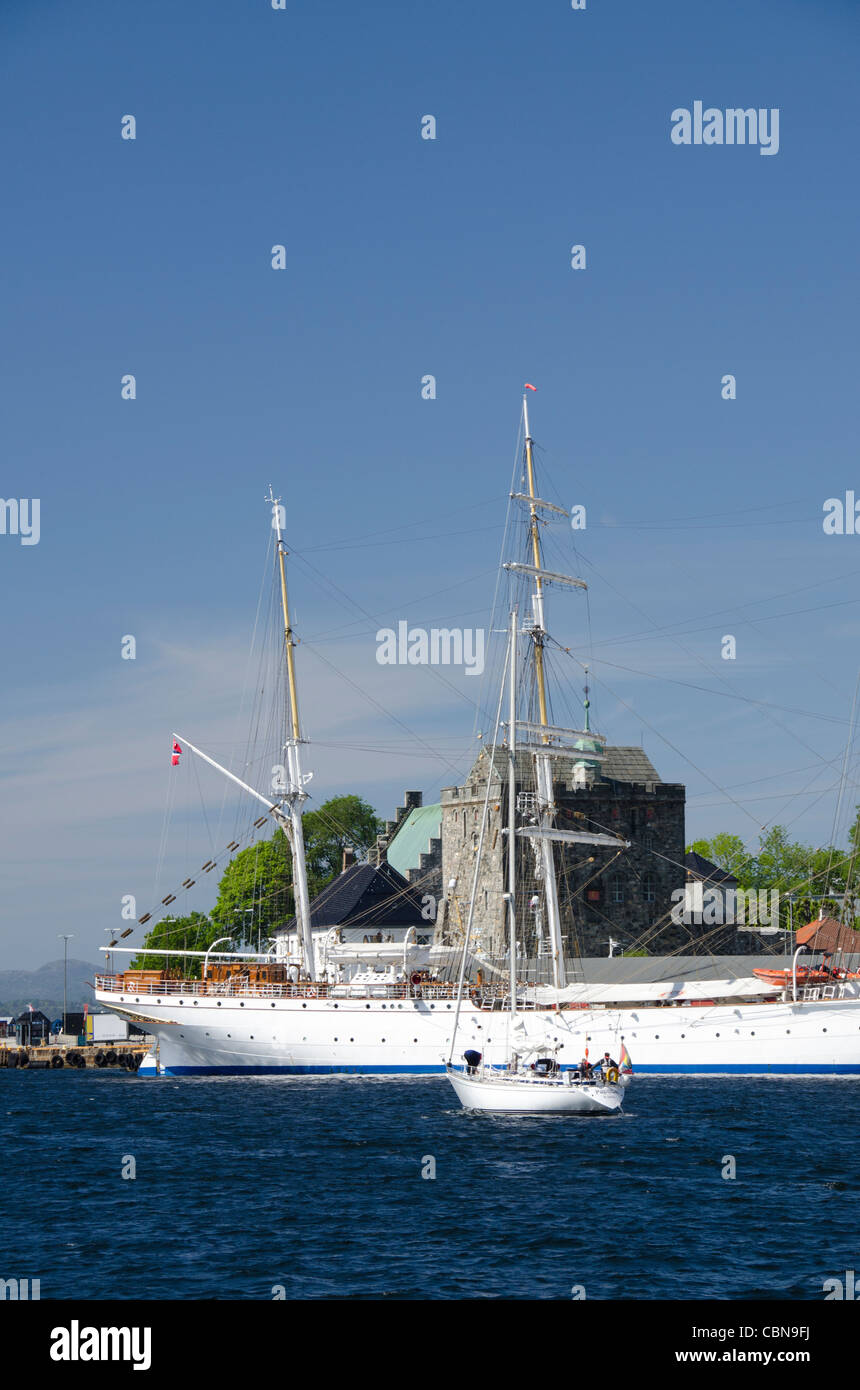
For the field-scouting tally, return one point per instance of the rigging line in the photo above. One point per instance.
(665, 740)
(410, 603)
(724, 612)
(467, 934)
(244, 694)
(771, 776)
(404, 540)
(848, 743)
(509, 514)
(735, 511)
(410, 525)
(712, 672)
(723, 694)
(437, 675)
(715, 627)
(383, 710)
(700, 525)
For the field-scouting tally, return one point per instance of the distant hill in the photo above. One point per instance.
(43, 988)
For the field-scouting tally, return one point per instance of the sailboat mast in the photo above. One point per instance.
(296, 794)
(512, 815)
(536, 561)
(543, 763)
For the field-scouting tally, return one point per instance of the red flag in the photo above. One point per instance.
(529, 386)
(174, 761)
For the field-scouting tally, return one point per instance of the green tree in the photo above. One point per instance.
(191, 933)
(727, 852)
(338, 824)
(255, 893)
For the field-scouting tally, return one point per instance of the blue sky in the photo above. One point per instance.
(405, 257)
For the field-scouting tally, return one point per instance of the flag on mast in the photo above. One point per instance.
(174, 761)
(529, 386)
(624, 1061)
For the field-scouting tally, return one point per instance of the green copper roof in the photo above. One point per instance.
(423, 824)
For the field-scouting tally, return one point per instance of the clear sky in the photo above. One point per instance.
(407, 257)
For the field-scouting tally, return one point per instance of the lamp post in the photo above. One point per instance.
(65, 940)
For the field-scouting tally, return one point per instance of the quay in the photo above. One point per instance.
(125, 1056)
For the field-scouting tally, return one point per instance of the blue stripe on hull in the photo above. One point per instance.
(677, 1069)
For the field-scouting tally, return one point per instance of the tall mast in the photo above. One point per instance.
(543, 762)
(512, 815)
(296, 795)
(537, 600)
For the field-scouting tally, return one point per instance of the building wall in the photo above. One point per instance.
(598, 898)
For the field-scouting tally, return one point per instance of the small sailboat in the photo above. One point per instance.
(538, 1087)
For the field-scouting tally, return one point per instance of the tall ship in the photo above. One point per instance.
(361, 981)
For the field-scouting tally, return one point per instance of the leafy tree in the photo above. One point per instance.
(728, 853)
(255, 893)
(191, 933)
(339, 823)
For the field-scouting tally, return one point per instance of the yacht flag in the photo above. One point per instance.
(174, 761)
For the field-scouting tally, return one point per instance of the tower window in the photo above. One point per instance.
(618, 889)
(649, 888)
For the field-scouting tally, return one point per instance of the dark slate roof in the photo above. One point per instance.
(628, 764)
(622, 763)
(366, 895)
(699, 867)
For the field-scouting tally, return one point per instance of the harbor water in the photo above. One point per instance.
(356, 1188)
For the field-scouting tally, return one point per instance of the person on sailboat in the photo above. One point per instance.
(606, 1064)
(585, 1069)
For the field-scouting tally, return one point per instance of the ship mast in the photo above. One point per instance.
(553, 742)
(296, 796)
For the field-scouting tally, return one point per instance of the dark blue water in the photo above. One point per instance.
(315, 1185)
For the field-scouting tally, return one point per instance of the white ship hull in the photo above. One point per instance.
(256, 1036)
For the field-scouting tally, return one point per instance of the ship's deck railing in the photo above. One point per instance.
(232, 989)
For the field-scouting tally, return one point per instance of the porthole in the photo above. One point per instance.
(181, 1002)
(824, 1030)
(335, 1039)
(335, 1005)
(304, 1006)
(447, 1006)
(194, 1002)
(241, 1004)
(272, 1006)
(367, 1006)
(352, 1039)
(383, 1040)
(229, 1035)
(218, 1004)
(683, 1035)
(432, 1006)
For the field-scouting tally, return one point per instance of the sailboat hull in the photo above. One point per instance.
(503, 1094)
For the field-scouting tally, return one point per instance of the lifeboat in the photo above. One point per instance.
(805, 976)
